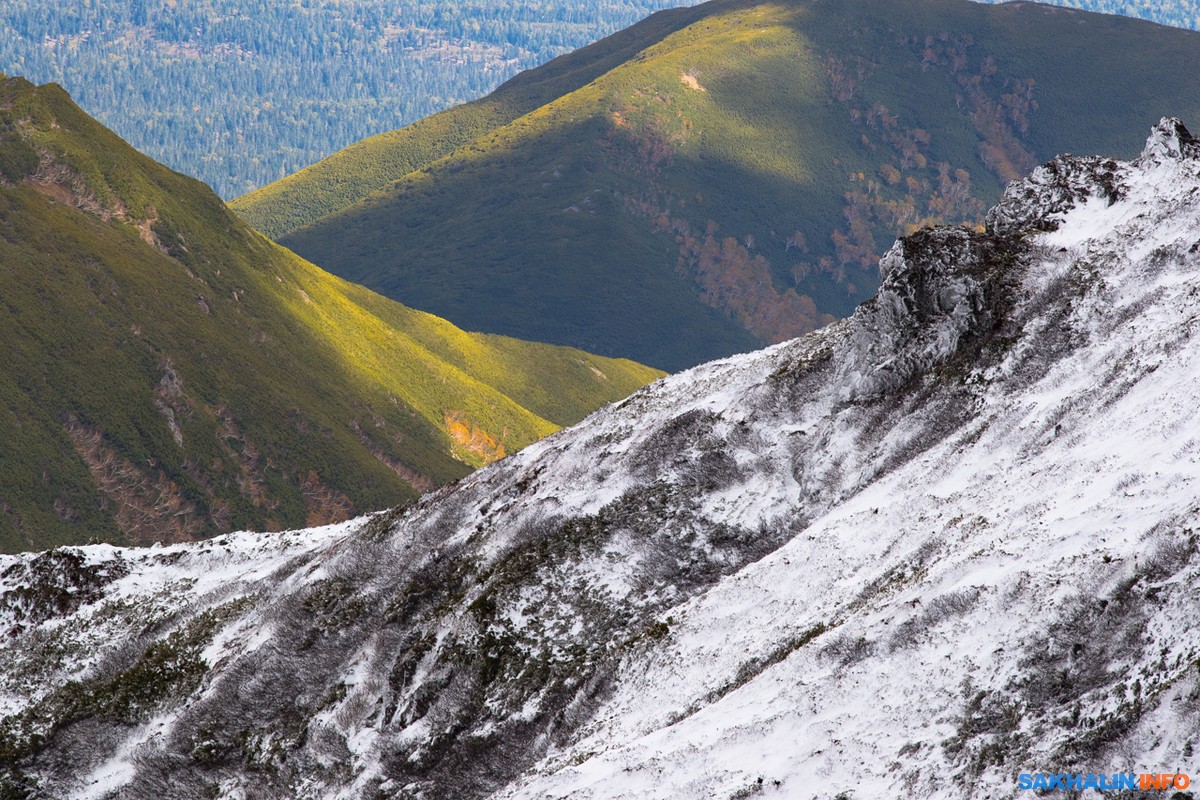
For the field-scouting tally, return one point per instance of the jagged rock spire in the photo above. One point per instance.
(1169, 140)
(1039, 201)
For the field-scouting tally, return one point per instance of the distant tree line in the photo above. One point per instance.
(242, 92)
(1177, 13)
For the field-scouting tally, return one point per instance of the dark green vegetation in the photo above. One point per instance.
(725, 175)
(169, 373)
(168, 669)
(243, 92)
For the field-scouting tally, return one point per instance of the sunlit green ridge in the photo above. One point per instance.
(170, 373)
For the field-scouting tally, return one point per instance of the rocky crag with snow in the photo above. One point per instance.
(943, 542)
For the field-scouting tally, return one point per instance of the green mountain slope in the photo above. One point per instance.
(170, 373)
(735, 181)
(348, 175)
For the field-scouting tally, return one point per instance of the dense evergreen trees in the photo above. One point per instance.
(1178, 13)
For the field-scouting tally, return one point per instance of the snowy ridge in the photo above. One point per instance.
(945, 541)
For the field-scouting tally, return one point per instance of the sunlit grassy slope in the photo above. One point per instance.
(724, 175)
(170, 373)
(348, 175)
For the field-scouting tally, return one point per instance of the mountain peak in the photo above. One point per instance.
(1169, 140)
(1040, 201)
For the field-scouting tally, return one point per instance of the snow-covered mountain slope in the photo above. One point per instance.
(911, 555)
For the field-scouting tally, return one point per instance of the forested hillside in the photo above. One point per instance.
(242, 92)
(728, 174)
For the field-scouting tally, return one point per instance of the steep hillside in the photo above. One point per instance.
(168, 373)
(348, 175)
(728, 174)
(945, 541)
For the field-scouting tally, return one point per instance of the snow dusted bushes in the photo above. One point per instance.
(846, 649)
(130, 683)
(951, 604)
(947, 606)
(53, 584)
(1089, 634)
(334, 605)
(1075, 675)
(540, 632)
(756, 666)
(380, 526)
(689, 449)
(1171, 552)
(987, 731)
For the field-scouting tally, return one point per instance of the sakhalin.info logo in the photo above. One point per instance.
(1116, 782)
